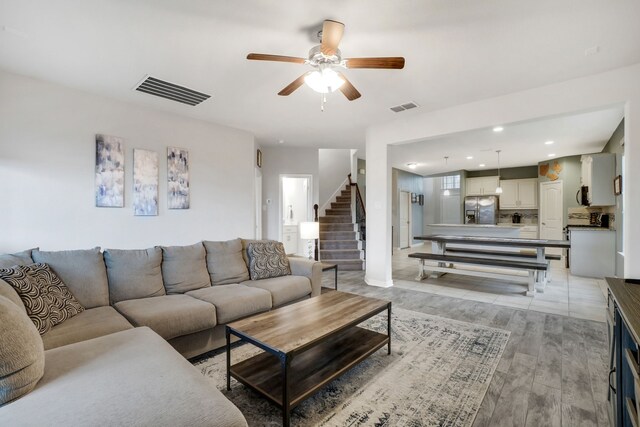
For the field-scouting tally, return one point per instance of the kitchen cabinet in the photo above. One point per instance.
(598, 172)
(519, 194)
(481, 186)
(593, 252)
(529, 232)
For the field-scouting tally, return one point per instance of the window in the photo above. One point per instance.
(451, 182)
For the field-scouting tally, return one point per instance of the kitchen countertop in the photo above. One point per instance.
(501, 225)
(627, 297)
(582, 228)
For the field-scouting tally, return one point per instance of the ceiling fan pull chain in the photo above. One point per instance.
(323, 99)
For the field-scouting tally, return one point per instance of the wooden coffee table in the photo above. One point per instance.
(306, 345)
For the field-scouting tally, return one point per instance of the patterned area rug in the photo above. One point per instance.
(437, 375)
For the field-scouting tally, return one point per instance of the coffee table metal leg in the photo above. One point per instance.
(389, 327)
(336, 277)
(286, 415)
(228, 358)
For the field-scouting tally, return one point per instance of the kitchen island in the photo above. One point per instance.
(507, 231)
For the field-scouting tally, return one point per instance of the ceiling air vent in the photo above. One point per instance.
(403, 107)
(171, 91)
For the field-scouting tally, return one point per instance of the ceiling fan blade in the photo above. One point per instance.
(348, 89)
(277, 58)
(396, 62)
(332, 32)
(293, 86)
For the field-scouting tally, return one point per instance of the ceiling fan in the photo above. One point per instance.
(326, 60)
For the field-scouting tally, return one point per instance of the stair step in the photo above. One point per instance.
(339, 211)
(337, 227)
(348, 264)
(337, 235)
(345, 193)
(339, 254)
(338, 205)
(342, 219)
(341, 199)
(339, 244)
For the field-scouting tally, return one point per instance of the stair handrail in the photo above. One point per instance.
(361, 212)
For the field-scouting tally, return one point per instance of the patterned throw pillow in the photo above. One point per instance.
(267, 259)
(48, 301)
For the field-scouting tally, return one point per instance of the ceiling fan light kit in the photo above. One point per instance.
(326, 60)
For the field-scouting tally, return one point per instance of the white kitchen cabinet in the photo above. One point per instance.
(598, 172)
(519, 194)
(592, 253)
(481, 186)
(529, 232)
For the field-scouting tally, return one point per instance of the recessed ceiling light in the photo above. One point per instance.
(469, 157)
(548, 142)
(498, 129)
(552, 155)
(281, 141)
(412, 165)
(482, 165)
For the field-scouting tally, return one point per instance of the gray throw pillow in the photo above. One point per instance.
(47, 299)
(184, 268)
(225, 263)
(21, 353)
(10, 260)
(83, 271)
(134, 273)
(267, 260)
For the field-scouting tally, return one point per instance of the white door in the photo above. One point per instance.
(551, 212)
(405, 221)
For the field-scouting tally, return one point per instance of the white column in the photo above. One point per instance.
(631, 188)
(378, 197)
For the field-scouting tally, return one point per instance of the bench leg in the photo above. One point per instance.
(421, 274)
(531, 284)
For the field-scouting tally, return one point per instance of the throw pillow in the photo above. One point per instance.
(21, 353)
(47, 300)
(267, 259)
(225, 263)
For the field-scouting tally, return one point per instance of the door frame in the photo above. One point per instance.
(309, 198)
(258, 201)
(409, 231)
(541, 185)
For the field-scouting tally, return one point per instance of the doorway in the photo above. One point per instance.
(551, 213)
(258, 201)
(296, 199)
(404, 217)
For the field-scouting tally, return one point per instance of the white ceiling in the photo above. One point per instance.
(521, 144)
(456, 52)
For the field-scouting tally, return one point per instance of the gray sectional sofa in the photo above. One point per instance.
(138, 305)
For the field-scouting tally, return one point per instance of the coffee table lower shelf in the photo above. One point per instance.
(311, 369)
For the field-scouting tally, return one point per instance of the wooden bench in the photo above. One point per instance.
(519, 254)
(531, 267)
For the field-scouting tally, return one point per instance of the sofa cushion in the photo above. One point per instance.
(7, 291)
(225, 262)
(267, 259)
(21, 353)
(47, 300)
(83, 271)
(184, 268)
(169, 316)
(130, 378)
(91, 323)
(134, 273)
(234, 301)
(283, 289)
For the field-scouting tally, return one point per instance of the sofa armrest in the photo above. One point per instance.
(310, 269)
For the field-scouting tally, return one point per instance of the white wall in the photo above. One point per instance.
(47, 163)
(333, 167)
(277, 161)
(616, 87)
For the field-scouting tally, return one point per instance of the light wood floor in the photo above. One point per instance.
(553, 371)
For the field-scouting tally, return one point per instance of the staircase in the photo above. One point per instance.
(339, 239)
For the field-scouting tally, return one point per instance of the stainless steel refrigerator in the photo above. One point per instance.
(481, 210)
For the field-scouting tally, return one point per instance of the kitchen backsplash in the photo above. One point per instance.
(581, 215)
(529, 216)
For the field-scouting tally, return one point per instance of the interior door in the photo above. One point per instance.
(551, 213)
(405, 221)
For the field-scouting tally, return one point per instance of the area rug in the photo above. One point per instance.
(437, 375)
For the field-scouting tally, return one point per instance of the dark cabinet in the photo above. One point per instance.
(624, 373)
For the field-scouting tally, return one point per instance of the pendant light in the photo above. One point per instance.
(499, 187)
(446, 191)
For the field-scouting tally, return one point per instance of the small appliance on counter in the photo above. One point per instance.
(516, 218)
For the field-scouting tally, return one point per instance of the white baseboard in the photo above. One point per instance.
(415, 245)
(378, 283)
